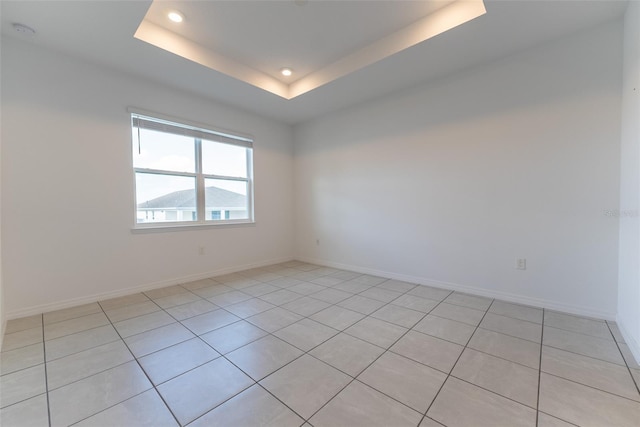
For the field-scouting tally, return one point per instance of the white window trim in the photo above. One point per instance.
(244, 140)
(189, 226)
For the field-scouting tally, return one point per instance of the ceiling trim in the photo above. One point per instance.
(444, 19)
(181, 46)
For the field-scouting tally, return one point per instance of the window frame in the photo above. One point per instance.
(198, 132)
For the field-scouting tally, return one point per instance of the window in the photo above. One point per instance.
(189, 175)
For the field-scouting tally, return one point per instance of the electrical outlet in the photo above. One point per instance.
(317, 242)
(201, 250)
(521, 264)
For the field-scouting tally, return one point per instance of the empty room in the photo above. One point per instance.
(320, 213)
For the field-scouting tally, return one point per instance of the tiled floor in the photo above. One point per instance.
(296, 344)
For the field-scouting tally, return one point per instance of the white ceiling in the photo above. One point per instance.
(244, 31)
(321, 40)
(305, 36)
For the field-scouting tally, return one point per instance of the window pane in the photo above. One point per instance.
(165, 198)
(163, 151)
(224, 159)
(226, 199)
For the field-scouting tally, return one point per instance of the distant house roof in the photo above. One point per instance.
(215, 198)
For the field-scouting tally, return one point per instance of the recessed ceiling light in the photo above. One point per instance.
(175, 16)
(286, 72)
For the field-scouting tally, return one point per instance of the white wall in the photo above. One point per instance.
(452, 181)
(629, 285)
(3, 320)
(446, 183)
(67, 185)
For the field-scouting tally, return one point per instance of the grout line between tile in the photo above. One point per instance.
(304, 420)
(162, 309)
(109, 407)
(46, 379)
(512, 336)
(143, 371)
(494, 392)
(584, 355)
(579, 333)
(233, 364)
(561, 419)
(374, 361)
(255, 382)
(89, 376)
(592, 387)
(540, 370)
(339, 331)
(77, 332)
(308, 352)
(456, 362)
(85, 349)
(325, 287)
(74, 317)
(625, 360)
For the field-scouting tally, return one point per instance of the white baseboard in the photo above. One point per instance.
(59, 305)
(2, 329)
(3, 315)
(518, 299)
(504, 296)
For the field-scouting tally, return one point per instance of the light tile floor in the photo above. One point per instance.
(297, 344)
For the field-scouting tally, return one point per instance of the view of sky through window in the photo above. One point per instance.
(176, 153)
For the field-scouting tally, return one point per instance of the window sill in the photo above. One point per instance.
(189, 227)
